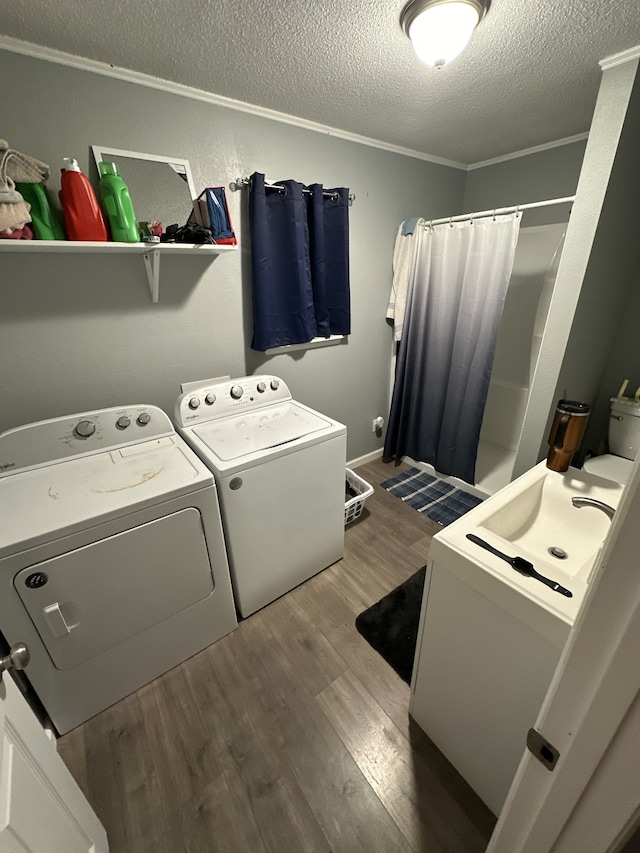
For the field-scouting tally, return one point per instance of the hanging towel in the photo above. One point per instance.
(22, 167)
(404, 252)
(409, 225)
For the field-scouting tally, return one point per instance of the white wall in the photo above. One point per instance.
(519, 337)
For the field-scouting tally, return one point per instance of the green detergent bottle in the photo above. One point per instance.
(117, 203)
(45, 220)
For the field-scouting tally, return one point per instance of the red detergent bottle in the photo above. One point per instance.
(83, 218)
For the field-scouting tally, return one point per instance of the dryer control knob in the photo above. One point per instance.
(194, 402)
(143, 418)
(261, 386)
(237, 391)
(274, 384)
(84, 429)
(123, 422)
(210, 399)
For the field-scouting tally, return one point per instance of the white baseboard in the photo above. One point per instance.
(362, 460)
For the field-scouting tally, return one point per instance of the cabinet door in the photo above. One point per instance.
(41, 806)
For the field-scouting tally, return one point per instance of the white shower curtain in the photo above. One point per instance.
(456, 293)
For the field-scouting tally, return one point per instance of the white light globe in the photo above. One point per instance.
(442, 32)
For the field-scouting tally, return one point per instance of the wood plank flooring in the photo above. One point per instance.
(290, 734)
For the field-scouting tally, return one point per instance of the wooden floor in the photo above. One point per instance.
(290, 734)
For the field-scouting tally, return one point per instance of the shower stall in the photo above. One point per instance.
(524, 316)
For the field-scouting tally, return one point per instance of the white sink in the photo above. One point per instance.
(525, 519)
(542, 524)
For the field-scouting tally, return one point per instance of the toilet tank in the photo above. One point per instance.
(624, 428)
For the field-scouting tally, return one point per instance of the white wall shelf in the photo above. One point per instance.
(150, 253)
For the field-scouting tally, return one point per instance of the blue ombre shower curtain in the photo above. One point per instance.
(299, 262)
(454, 305)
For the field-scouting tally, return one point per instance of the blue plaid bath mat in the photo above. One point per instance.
(437, 499)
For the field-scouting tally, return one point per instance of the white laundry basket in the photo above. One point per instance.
(353, 507)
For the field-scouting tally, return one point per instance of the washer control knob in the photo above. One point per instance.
(84, 429)
(210, 399)
(237, 391)
(275, 384)
(194, 402)
(261, 386)
(143, 418)
(123, 422)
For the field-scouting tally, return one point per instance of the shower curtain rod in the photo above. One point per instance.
(246, 182)
(499, 211)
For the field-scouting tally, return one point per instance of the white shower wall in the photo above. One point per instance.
(525, 312)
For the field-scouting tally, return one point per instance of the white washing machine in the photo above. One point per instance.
(280, 471)
(113, 566)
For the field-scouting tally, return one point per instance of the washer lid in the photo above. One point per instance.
(270, 426)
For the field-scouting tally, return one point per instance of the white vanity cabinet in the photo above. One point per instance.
(490, 637)
(480, 672)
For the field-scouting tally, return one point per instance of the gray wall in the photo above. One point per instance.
(575, 369)
(534, 177)
(584, 349)
(79, 331)
(602, 349)
(554, 173)
(623, 363)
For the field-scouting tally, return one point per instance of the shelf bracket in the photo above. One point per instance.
(152, 265)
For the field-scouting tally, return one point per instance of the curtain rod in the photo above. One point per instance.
(246, 182)
(499, 211)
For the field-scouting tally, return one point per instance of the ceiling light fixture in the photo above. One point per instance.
(440, 29)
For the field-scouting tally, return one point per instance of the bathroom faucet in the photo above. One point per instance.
(608, 510)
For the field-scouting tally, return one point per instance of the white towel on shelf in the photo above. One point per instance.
(404, 253)
(22, 167)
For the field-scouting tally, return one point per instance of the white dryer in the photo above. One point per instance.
(113, 567)
(280, 471)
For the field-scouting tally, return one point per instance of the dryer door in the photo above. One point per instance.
(88, 600)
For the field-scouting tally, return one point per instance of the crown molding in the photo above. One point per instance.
(568, 140)
(94, 67)
(620, 58)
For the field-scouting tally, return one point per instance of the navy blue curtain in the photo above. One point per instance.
(299, 262)
(336, 247)
(315, 223)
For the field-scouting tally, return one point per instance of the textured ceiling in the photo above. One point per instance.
(530, 75)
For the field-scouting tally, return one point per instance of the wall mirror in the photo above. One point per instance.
(161, 188)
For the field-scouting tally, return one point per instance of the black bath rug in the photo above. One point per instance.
(391, 625)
